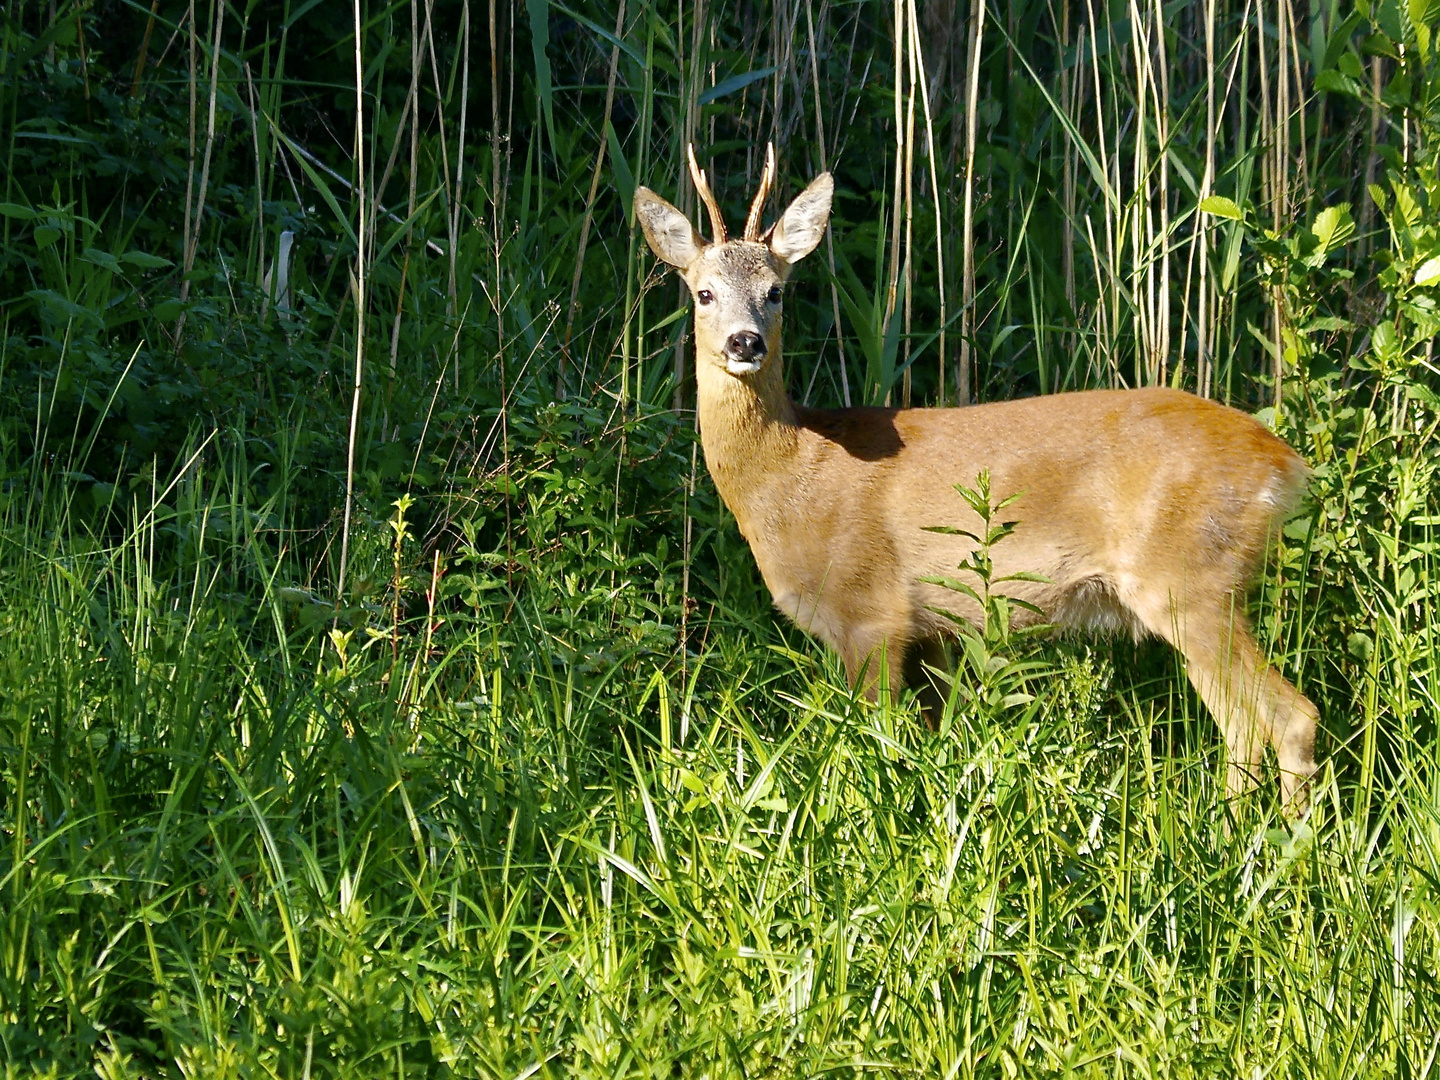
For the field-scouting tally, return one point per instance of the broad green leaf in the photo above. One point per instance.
(1337, 47)
(15, 210)
(1424, 12)
(61, 307)
(144, 260)
(102, 259)
(1385, 342)
(1220, 206)
(1333, 226)
(1335, 82)
(1429, 271)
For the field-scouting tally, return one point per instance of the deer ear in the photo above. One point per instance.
(800, 228)
(668, 232)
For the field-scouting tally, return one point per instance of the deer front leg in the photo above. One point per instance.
(874, 660)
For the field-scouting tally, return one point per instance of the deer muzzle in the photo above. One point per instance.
(744, 352)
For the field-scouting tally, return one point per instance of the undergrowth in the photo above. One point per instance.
(547, 788)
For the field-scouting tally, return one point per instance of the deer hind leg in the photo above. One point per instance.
(1256, 705)
(1252, 703)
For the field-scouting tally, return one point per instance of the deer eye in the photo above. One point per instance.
(705, 296)
(774, 295)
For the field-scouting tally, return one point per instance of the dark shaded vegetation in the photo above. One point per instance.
(510, 770)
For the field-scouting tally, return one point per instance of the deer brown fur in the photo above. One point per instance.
(1148, 511)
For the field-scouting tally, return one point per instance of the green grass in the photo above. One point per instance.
(493, 840)
(547, 788)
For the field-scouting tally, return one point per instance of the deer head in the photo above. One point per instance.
(737, 284)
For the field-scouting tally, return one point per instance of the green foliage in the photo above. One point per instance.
(990, 680)
(550, 790)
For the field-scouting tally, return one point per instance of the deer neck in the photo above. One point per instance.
(749, 434)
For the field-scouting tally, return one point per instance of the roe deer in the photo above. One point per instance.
(1148, 510)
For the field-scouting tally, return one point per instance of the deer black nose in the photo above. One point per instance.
(746, 346)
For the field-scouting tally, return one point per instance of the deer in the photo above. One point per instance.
(1147, 511)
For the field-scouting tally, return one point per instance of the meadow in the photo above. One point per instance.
(384, 691)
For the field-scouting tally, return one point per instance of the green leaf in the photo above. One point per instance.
(1335, 82)
(1379, 45)
(1005, 332)
(601, 32)
(620, 168)
(1391, 18)
(46, 235)
(1220, 206)
(1429, 271)
(303, 160)
(1337, 48)
(1385, 343)
(953, 584)
(403, 227)
(732, 84)
(540, 41)
(1424, 12)
(15, 210)
(62, 308)
(102, 259)
(144, 260)
(1266, 342)
(1333, 226)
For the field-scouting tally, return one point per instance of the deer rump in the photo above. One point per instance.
(1146, 511)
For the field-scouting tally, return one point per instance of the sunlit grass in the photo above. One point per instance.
(457, 850)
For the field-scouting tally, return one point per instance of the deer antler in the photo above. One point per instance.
(702, 188)
(752, 223)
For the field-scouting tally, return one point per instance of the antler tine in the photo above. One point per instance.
(702, 188)
(752, 223)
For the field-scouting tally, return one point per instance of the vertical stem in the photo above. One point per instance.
(358, 286)
(417, 60)
(830, 233)
(1070, 89)
(1141, 279)
(1372, 158)
(897, 198)
(909, 269)
(190, 153)
(144, 49)
(497, 211)
(458, 200)
(691, 74)
(1203, 337)
(967, 242)
(1288, 11)
(590, 201)
(1270, 179)
(1161, 239)
(918, 70)
(254, 108)
(193, 224)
